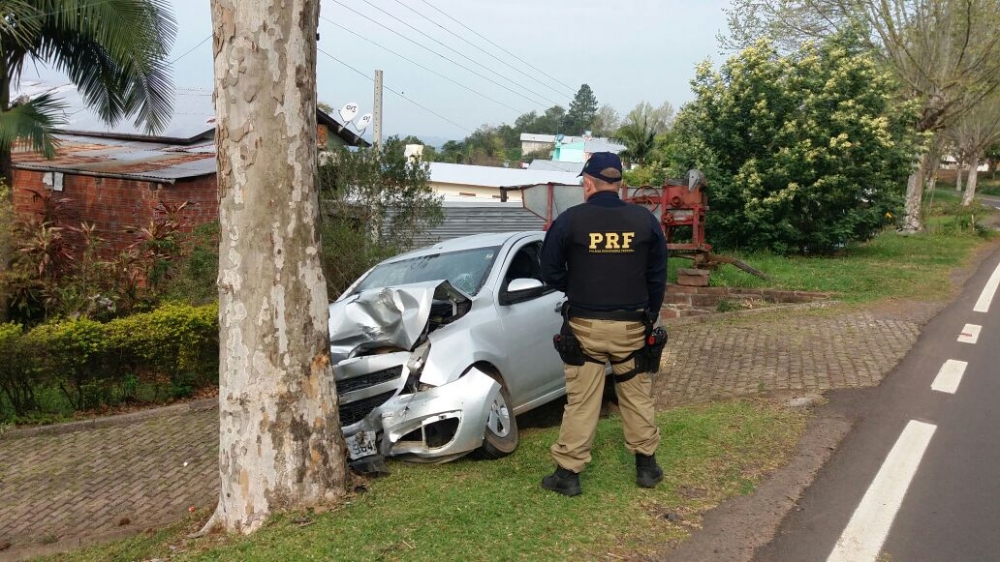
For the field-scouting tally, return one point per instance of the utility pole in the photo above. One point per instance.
(377, 128)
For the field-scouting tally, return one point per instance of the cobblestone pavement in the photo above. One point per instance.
(87, 484)
(809, 352)
(105, 482)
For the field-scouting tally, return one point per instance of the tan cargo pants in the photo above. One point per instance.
(606, 340)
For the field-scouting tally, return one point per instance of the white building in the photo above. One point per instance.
(462, 182)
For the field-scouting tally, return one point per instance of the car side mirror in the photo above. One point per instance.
(521, 289)
(523, 284)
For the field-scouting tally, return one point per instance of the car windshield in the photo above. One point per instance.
(466, 270)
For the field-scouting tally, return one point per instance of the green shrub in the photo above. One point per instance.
(173, 349)
(177, 342)
(194, 279)
(805, 152)
(17, 379)
(73, 354)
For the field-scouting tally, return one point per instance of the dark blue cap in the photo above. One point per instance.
(605, 166)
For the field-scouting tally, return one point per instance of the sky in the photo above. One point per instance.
(628, 51)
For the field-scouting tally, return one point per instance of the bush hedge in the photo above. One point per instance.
(172, 350)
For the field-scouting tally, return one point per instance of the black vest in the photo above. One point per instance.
(607, 256)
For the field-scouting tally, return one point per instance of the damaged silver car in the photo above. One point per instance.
(437, 350)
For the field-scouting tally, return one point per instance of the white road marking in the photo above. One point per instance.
(983, 304)
(949, 377)
(869, 526)
(970, 333)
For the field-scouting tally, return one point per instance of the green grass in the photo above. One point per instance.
(888, 266)
(479, 510)
(985, 184)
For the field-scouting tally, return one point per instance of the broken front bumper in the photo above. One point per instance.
(381, 415)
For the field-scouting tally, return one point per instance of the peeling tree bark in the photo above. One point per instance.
(970, 186)
(280, 444)
(912, 221)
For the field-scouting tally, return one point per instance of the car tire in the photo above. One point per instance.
(500, 435)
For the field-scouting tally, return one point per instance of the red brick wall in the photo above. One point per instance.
(118, 208)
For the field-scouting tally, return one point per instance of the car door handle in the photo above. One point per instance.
(559, 306)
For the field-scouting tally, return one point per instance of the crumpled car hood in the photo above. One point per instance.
(387, 317)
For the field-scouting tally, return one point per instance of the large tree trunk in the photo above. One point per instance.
(912, 221)
(970, 188)
(933, 163)
(280, 444)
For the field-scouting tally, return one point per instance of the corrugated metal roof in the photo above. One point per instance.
(143, 161)
(573, 167)
(489, 176)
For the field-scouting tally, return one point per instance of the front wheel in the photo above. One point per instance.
(500, 438)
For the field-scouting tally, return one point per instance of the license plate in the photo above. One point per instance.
(361, 444)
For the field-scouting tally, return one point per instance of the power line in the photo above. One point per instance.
(461, 54)
(498, 46)
(362, 37)
(458, 64)
(428, 110)
(498, 59)
(191, 50)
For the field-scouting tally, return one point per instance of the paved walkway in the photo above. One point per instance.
(102, 482)
(806, 351)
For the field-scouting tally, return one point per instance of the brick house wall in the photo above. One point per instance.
(117, 207)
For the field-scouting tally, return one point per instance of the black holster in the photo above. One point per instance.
(652, 352)
(566, 342)
(647, 358)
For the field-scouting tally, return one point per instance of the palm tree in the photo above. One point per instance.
(641, 127)
(113, 50)
(639, 138)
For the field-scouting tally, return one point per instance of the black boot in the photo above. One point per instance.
(647, 473)
(562, 481)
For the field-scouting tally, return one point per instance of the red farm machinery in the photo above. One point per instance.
(676, 204)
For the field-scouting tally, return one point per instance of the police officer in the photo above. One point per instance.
(610, 258)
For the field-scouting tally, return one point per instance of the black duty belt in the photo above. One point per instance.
(617, 315)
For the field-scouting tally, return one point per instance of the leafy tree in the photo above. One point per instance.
(373, 204)
(639, 132)
(804, 152)
(115, 51)
(582, 110)
(944, 53)
(973, 134)
(452, 151)
(992, 155)
(606, 121)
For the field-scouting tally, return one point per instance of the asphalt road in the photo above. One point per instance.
(991, 201)
(918, 478)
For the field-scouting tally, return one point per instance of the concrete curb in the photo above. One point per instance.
(111, 421)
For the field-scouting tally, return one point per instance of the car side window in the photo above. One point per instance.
(526, 264)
